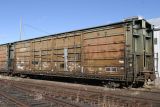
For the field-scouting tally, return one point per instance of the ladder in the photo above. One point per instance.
(129, 66)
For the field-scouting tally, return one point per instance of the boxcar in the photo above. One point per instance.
(3, 58)
(120, 52)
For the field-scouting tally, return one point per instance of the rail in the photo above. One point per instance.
(85, 96)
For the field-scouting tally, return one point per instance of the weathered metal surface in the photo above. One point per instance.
(3, 58)
(124, 49)
(93, 52)
(103, 50)
(22, 56)
(48, 54)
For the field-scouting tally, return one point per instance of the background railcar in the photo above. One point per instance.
(120, 52)
(3, 58)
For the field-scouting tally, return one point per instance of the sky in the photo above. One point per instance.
(44, 17)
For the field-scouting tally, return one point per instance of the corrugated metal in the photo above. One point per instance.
(3, 58)
(121, 50)
(103, 49)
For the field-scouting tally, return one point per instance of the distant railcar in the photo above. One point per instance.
(118, 52)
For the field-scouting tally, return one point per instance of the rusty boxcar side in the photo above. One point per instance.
(93, 53)
(121, 51)
(3, 58)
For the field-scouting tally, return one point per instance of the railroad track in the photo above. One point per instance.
(13, 96)
(82, 96)
(16, 94)
(8, 101)
(17, 98)
(146, 93)
(99, 97)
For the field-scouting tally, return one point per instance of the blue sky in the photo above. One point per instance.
(40, 17)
